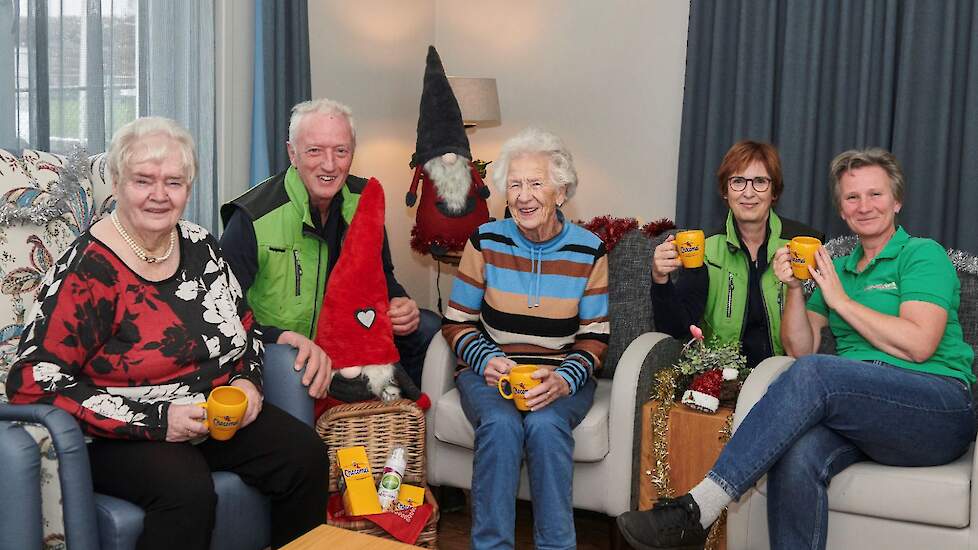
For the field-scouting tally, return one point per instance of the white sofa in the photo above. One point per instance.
(607, 440)
(871, 505)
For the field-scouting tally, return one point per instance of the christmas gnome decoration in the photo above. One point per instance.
(354, 327)
(453, 195)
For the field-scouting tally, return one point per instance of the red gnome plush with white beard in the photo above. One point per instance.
(354, 327)
(453, 195)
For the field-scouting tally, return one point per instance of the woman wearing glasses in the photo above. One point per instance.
(735, 295)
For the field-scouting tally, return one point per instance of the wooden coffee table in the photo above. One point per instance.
(335, 538)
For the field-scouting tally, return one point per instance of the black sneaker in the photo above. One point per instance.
(672, 524)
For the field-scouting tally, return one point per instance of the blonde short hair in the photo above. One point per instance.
(132, 133)
(859, 158)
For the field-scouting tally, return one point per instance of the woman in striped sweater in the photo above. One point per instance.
(531, 289)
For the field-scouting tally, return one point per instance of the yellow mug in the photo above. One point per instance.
(225, 408)
(802, 251)
(690, 245)
(518, 381)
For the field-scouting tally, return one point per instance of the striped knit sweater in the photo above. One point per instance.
(536, 303)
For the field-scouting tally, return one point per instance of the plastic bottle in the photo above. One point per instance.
(390, 480)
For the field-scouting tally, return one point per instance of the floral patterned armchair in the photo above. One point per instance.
(27, 250)
(46, 490)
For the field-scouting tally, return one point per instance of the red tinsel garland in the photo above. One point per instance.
(610, 229)
(654, 228)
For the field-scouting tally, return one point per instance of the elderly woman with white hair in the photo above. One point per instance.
(135, 324)
(531, 290)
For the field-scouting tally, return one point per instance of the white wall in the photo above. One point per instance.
(606, 76)
(370, 55)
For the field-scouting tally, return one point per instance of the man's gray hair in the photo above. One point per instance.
(533, 141)
(859, 158)
(322, 106)
(126, 138)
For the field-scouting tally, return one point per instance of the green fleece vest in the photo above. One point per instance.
(292, 260)
(726, 301)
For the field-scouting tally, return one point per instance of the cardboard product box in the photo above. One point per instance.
(360, 495)
(411, 495)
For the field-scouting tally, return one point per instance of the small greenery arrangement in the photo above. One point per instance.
(698, 358)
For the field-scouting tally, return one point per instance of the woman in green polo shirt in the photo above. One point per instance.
(897, 392)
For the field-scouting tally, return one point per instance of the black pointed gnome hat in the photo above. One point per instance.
(440, 127)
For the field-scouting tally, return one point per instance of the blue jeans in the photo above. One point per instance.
(413, 347)
(502, 434)
(827, 412)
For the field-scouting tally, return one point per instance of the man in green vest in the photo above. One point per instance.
(283, 237)
(735, 295)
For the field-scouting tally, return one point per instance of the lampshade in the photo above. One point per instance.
(477, 98)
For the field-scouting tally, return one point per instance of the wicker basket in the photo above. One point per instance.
(378, 427)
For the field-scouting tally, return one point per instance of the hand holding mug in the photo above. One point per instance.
(226, 407)
(828, 280)
(802, 250)
(184, 422)
(551, 388)
(496, 367)
(781, 263)
(691, 245)
(665, 260)
(255, 400)
(517, 384)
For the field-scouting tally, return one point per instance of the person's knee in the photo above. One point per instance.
(196, 496)
(546, 426)
(805, 371)
(503, 429)
(309, 459)
(429, 324)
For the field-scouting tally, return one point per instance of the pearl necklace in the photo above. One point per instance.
(139, 251)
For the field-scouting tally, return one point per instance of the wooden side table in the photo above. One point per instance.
(326, 537)
(693, 441)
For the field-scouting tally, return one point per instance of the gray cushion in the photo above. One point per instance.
(629, 295)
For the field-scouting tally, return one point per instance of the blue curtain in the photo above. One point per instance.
(282, 79)
(817, 78)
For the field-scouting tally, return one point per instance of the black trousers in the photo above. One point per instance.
(277, 454)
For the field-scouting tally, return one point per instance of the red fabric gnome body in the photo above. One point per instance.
(354, 327)
(436, 227)
(453, 195)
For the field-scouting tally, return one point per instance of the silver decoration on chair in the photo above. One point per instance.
(54, 201)
(963, 261)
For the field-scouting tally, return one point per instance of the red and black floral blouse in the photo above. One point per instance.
(114, 349)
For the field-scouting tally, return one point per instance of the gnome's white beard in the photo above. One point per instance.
(380, 379)
(451, 181)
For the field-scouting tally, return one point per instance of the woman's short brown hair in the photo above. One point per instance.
(741, 155)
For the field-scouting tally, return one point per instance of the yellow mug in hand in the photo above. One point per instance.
(803, 251)
(517, 383)
(690, 245)
(225, 408)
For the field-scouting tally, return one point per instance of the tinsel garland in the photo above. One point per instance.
(655, 228)
(53, 202)
(665, 387)
(658, 474)
(843, 246)
(610, 229)
(963, 261)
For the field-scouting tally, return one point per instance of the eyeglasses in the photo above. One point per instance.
(759, 183)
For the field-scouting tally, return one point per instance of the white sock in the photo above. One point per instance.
(712, 499)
